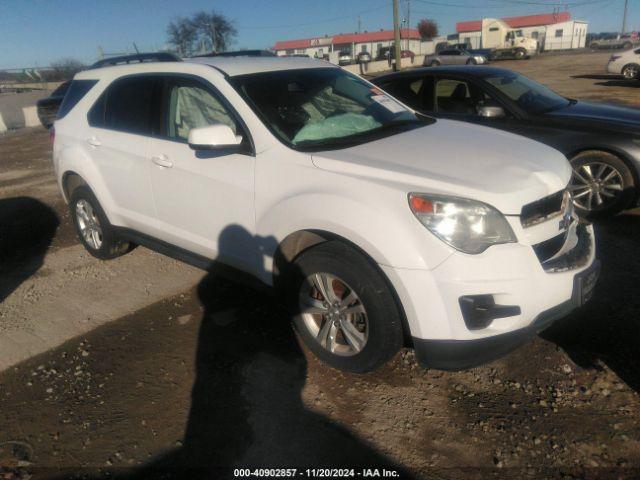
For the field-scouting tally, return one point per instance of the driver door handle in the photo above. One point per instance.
(162, 161)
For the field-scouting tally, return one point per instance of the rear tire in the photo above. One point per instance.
(602, 184)
(343, 308)
(472, 61)
(93, 228)
(435, 63)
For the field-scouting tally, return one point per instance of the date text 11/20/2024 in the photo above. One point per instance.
(316, 473)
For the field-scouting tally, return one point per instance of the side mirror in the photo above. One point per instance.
(214, 137)
(491, 111)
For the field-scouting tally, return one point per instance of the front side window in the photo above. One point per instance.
(460, 97)
(323, 107)
(191, 105)
(531, 96)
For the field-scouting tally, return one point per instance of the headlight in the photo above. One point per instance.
(466, 225)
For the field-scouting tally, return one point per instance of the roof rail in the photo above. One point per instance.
(238, 53)
(136, 58)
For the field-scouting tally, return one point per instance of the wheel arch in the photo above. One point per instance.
(70, 181)
(294, 244)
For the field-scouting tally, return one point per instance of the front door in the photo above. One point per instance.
(204, 200)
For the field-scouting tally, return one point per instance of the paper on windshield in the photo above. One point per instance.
(388, 103)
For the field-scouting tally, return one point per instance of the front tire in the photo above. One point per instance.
(92, 226)
(435, 63)
(631, 71)
(602, 184)
(343, 308)
(520, 54)
(472, 61)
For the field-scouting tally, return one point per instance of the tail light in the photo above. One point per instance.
(52, 134)
(614, 58)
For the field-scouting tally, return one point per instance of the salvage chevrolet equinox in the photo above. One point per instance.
(379, 226)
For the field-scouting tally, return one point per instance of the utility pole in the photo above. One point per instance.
(396, 31)
(359, 24)
(624, 17)
(409, 24)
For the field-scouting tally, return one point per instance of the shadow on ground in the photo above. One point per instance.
(246, 404)
(27, 228)
(611, 80)
(607, 329)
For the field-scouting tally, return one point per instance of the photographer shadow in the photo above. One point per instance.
(246, 405)
(607, 329)
(27, 228)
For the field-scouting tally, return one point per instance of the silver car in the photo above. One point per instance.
(453, 57)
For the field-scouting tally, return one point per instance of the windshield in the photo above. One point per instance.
(322, 107)
(529, 95)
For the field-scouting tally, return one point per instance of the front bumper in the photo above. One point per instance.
(462, 354)
(512, 274)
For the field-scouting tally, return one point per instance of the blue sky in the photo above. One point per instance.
(38, 32)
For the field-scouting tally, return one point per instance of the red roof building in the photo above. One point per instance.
(518, 22)
(347, 38)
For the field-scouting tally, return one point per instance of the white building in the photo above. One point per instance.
(554, 31)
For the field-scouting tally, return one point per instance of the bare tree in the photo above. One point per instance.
(63, 69)
(214, 30)
(182, 35)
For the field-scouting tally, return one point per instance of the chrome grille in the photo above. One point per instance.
(544, 209)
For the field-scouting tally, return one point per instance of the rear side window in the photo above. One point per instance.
(77, 90)
(128, 105)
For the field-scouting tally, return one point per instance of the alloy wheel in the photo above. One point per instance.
(333, 314)
(631, 71)
(595, 185)
(89, 224)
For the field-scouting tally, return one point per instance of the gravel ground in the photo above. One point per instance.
(191, 381)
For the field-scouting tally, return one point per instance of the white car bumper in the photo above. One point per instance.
(510, 276)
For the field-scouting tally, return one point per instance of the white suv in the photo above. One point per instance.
(380, 227)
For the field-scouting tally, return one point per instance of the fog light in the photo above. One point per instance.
(479, 311)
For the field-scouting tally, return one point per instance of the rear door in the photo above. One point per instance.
(121, 122)
(204, 200)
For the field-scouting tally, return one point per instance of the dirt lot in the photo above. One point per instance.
(146, 368)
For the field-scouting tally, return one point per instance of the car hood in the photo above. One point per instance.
(601, 113)
(454, 158)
